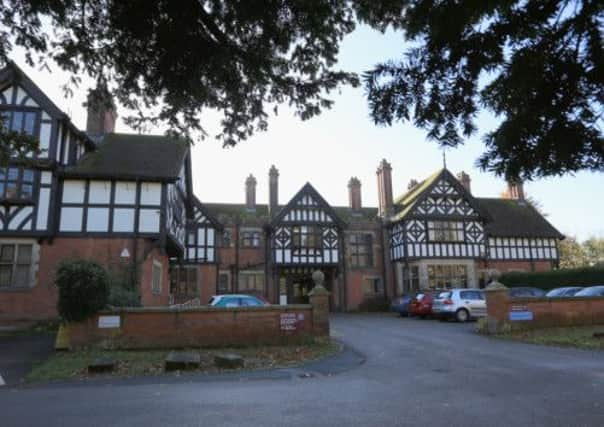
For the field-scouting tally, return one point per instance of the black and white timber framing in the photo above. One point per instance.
(306, 231)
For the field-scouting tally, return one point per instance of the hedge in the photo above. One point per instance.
(589, 276)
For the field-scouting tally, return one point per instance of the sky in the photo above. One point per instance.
(343, 142)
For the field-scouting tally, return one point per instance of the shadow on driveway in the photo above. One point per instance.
(18, 354)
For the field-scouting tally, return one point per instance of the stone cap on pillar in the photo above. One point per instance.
(319, 278)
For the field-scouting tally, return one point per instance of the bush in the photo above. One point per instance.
(374, 305)
(120, 297)
(83, 289)
(547, 280)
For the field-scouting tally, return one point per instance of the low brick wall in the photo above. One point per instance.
(505, 313)
(161, 327)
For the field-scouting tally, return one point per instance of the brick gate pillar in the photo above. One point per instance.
(497, 299)
(319, 300)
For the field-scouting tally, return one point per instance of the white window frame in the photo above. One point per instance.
(157, 266)
(35, 259)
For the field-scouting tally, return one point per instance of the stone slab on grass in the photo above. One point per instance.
(229, 361)
(101, 364)
(182, 361)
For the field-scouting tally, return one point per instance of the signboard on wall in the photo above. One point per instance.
(520, 316)
(289, 321)
(108, 322)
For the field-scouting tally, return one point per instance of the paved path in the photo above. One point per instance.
(18, 353)
(417, 372)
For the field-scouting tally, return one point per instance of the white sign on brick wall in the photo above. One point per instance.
(106, 322)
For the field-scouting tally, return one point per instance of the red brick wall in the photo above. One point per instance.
(39, 302)
(527, 266)
(547, 312)
(199, 327)
(206, 282)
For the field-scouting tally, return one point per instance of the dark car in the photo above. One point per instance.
(592, 291)
(567, 291)
(421, 305)
(401, 305)
(526, 291)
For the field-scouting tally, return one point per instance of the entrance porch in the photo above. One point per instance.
(295, 283)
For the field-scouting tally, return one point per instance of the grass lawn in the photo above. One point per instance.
(572, 336)
(73, 364)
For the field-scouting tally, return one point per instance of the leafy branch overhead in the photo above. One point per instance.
(537, 65)
(170, 60)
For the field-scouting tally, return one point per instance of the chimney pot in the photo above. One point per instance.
(354, 194)
(465, 180)
(250, 193)
(515, 190)
(384, 178)
(101, 112)
(273, 190)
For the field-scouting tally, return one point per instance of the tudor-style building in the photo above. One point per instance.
(127, 201)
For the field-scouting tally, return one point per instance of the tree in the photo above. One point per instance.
(537, 65)
(170, 60)
(571, 254)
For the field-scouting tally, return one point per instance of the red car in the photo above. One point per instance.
(421, 305)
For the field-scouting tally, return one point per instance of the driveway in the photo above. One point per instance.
(18, 353)
(416, 372)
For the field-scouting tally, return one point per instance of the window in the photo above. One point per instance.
(445, 231)
(226, 238)
(411, 278)
(447, 276)
(156, 277)
(471, 295)
(372, 286)
(250, 239)
(15, 265)
(183, 281)
(16, 183)
(361, 250)
(20, 121)
(224, 283)
(306, 236)
(251, 281)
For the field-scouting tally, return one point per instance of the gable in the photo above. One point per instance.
(441, 195)
(201, 215)
(307, 207)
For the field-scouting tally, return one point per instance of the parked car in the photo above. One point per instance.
(401, 305)
(234, 300)
(592, 291)
(421, 305)
(567, 291)
(526, 291)
(460, 304)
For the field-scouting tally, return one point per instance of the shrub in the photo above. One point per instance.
(83, 289)
(120, 297)
(374, 305)
(547, 280)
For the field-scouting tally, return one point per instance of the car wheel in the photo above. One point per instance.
(462, 315)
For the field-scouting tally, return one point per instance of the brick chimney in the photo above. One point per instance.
(250, 193)
(102, 112)
(354, 194)
(384, 178)
(465, 180)
(273, 190)
(515, 190)
(412, 184)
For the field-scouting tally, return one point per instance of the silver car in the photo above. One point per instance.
(460, 304)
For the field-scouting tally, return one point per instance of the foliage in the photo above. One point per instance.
(374, 305)
(124, 290)
(83, 289)
(169, 60)
(15, 144)
(574, 254)
(587, 276)
(537, 65)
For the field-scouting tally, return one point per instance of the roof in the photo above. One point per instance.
(225, 212)
(516, 218)
(132, 156)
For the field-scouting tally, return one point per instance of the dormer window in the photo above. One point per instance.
(16, 183)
